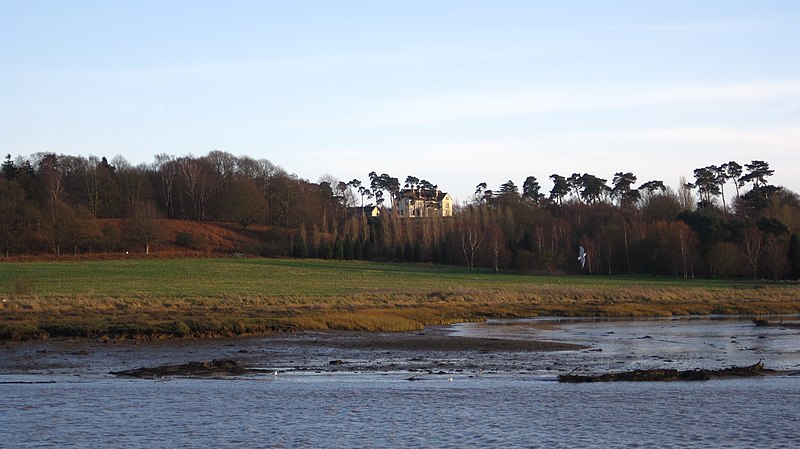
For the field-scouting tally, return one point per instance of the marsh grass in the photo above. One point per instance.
(228, 297)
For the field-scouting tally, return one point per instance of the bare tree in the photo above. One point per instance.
(143, 227)
(95, 182)
(51, 176)
(132, 183)
(196, 183)
(243, 203)
(752, 246)
(498, 245)
(223, 165)
(724, 259)
(775, 254)
(471, 233)
(167, 168)
(685, 194)
(59, 224)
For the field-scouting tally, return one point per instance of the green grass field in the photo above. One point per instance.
(209, 297)
(210, 278)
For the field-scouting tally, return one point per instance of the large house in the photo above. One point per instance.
(423, 203)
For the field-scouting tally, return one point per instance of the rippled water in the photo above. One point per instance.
(383, 409)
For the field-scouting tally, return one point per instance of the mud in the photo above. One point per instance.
(214, 368)
(664, 375)
(431, 351)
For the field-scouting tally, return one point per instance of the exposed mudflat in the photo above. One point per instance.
(542, 347)
(434, 349)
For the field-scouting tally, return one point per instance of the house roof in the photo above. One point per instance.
(425, 195)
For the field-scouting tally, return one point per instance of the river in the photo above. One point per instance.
(461, 399)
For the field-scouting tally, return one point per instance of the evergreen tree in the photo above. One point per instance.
(560, 189)
(757, 173)
(417, 252)
(338, 248)
(706, 184)
(358, 250)
(623, 189)
(794, 257)
(300, 248)
(408, 252)
(9, 169)
(444, 257)
(592, 188)
(508, 188)
(368, 250)
(530, 190)
(348, 249)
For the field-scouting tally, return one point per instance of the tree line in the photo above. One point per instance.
(51, 202)
(58, 203)
(692, 231)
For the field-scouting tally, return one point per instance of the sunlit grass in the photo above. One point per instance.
(212, 297)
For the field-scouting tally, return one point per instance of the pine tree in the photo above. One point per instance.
(300, 247)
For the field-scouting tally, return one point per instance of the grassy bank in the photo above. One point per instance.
(212, 297)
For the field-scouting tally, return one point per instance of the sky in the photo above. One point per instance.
(455, 92)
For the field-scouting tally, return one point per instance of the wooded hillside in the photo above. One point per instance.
(728, 222)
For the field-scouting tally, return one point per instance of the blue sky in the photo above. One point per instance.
(456, 92)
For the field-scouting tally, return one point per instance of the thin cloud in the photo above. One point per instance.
(722, 26)
(259, 68)
(788, 107)
(767, 137)
(466, 106)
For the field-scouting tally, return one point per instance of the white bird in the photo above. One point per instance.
(582, 256)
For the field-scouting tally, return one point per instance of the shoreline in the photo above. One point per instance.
(549, 350)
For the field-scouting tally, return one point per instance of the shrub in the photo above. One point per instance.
(191, 241)
(110, 238)
(181, 329)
